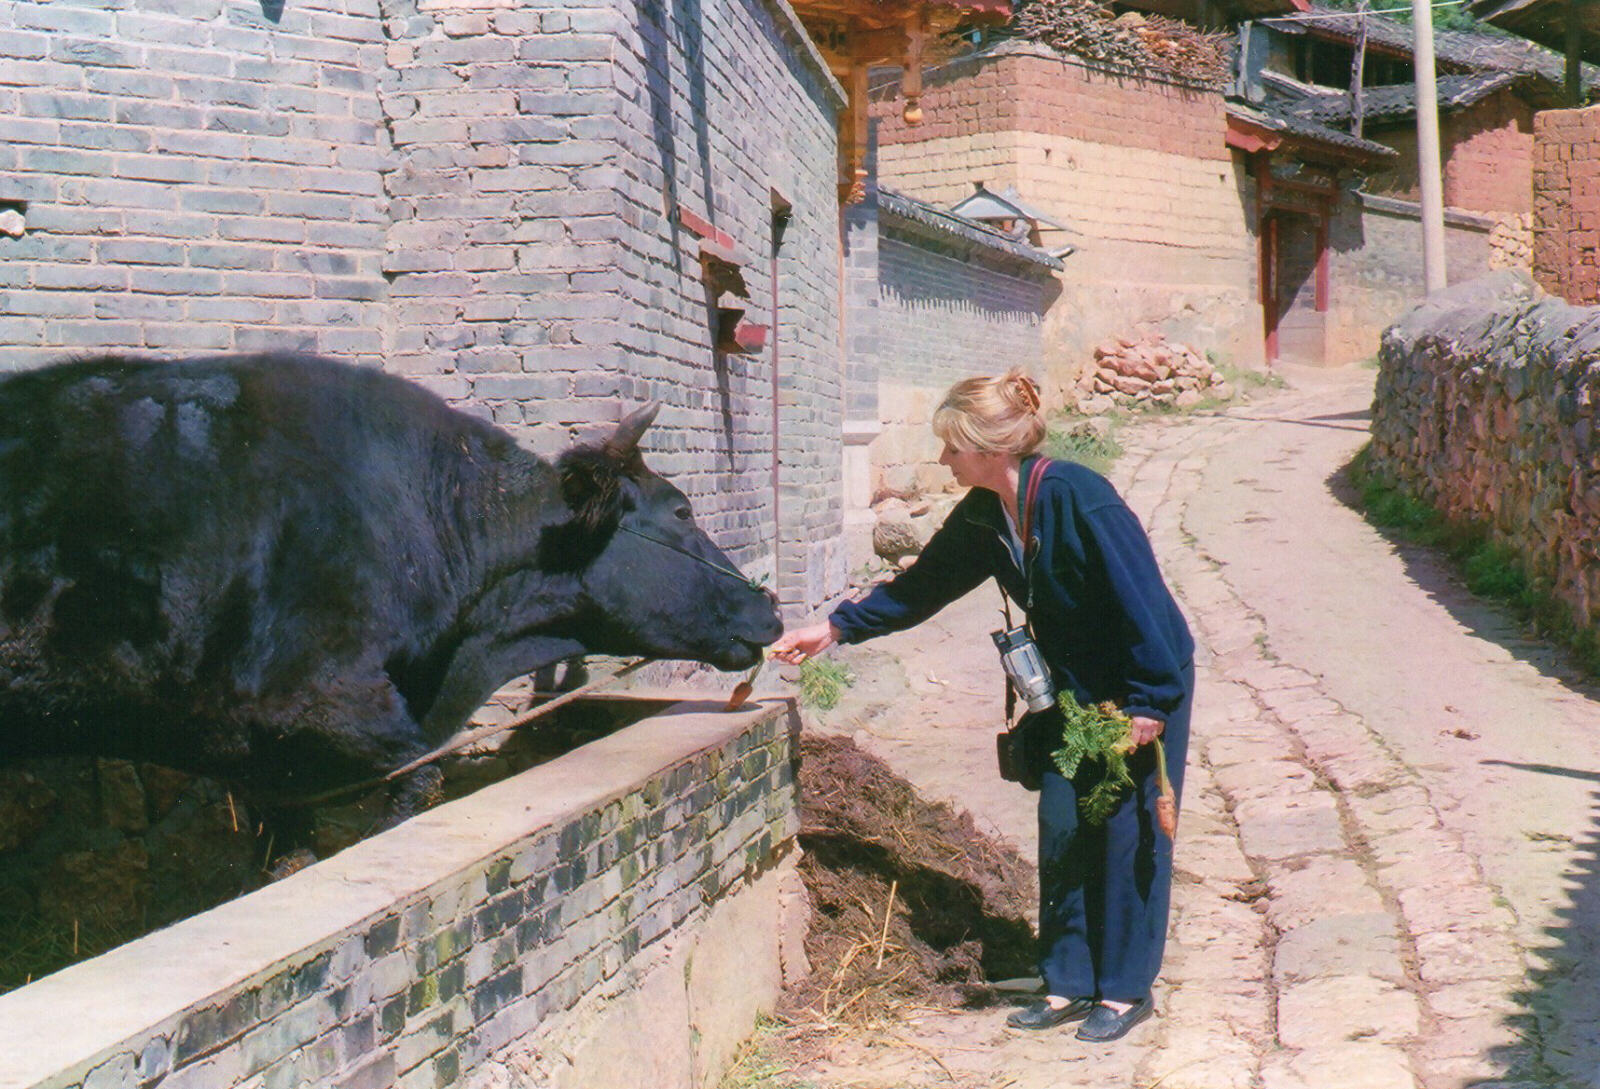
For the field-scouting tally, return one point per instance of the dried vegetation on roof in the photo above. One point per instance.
(1144, 43)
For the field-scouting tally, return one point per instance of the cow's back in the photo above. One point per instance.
(188, 538)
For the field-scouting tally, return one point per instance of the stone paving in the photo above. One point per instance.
(1331, 930)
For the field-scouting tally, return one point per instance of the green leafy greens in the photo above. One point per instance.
(1099, 733)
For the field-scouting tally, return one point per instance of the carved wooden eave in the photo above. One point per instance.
(856, 35)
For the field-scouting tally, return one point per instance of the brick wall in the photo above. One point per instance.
(1566, 204)
(482, 196)
(195, 176)
(1487, 153)
(1137, 168)
(618, 916)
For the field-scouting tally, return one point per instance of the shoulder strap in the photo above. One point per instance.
(1035, 472)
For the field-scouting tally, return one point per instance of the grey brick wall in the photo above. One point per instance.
(196, 177)
(431, 987)
(483, 200)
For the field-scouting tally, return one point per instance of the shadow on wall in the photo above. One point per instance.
(658, 36)
(272, 9)
(1559, 1005)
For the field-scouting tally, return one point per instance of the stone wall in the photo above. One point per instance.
(1136, 167)
(1566, 206)
(618, 916)
(1486, 404)
(506, 203)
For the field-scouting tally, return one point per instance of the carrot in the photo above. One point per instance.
(742, 690)
(1167, 803)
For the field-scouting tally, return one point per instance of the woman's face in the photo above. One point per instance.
(972, 468)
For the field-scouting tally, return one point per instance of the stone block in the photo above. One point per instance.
(1340, 945)
(1348, 1066)
(1345, 1009)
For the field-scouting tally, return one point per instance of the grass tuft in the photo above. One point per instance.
(1490, 569)
(822, 683)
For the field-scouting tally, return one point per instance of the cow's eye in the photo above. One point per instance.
(684, 513)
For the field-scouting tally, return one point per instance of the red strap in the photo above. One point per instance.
(1039, 466)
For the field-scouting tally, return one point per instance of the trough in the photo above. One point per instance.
(617, 917)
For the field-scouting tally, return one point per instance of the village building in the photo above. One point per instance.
(1214, 186)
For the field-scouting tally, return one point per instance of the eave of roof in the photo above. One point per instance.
(939, 220)
(1390, 102)
(1260, 128)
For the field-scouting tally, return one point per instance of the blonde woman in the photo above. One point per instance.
(1108, 628)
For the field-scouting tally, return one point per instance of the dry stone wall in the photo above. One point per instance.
(1486, 404)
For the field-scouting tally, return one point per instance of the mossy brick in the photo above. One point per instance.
(755, 764)
(538, 930)
(605, 853)
(212, 1027)
(453, 978)
(498, 877)
(495, 993)
(392, 1017)
(446, 1068)
(155, 1059)
(443, 945)
(499, 914)
(629, 836)
(629, 868)
(381, 936)
(423, 1040)
(422, 994)
(653, 792)
(532, 861)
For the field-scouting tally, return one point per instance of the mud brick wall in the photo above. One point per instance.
(1486, 405)
(623, 912)
(1566, 204)
(1139, 168)
(491, 199)
(1488, 158)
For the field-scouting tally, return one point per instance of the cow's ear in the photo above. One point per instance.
(592, 486)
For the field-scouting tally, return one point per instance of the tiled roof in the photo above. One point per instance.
(1457, 49)
(946, 222)
(1278, 120)
(1389, 102)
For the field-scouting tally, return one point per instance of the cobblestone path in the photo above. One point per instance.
(1388, 869)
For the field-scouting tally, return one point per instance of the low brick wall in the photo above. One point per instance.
(616, 917)
(1485, 407)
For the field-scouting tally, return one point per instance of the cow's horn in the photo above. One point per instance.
(626, 437)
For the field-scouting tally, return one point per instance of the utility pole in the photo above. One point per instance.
(1432, 189)
(1358, 65)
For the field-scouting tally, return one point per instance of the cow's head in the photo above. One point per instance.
(657, 584)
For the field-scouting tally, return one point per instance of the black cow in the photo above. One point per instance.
(296, 574)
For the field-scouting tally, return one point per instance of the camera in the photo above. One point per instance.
(1025, 668)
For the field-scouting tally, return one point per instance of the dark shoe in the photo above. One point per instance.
(1042, 1015)
(1105, 1024)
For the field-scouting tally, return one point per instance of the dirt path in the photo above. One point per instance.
(1388, 858)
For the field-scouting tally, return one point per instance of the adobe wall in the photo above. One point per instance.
(619, 916)
(1485, 408)
(1566, 204)
(1137, 168)
(1376, 273)
(503, 202)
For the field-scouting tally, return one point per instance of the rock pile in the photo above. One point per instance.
(1147, 370)
(1142, 43)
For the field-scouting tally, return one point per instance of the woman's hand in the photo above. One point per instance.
(1143, 730)
(802, 643)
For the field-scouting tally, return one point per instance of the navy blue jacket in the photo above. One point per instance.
(1101, 613)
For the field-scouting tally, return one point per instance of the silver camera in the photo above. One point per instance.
(1025, 668)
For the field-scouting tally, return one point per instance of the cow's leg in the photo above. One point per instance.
(413, 792)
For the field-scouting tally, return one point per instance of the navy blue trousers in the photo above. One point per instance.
(1104, 891)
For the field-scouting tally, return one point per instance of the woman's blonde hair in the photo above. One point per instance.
(993, 415)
